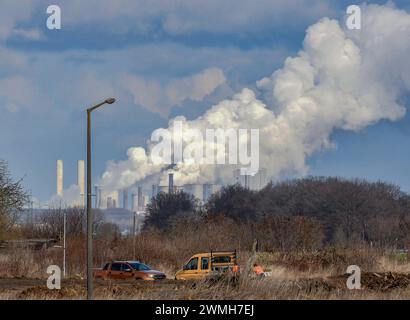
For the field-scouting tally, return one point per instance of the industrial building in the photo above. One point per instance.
(256, 182)
(200, 191)
(135, 198)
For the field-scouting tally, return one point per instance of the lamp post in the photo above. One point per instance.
(89, 204)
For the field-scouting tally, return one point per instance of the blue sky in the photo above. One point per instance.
(50, 77)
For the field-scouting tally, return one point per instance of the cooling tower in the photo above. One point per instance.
(109, 203)
(115, 196)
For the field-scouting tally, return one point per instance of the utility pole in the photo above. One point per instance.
(89, 214)
(64, 243)
(133, 233)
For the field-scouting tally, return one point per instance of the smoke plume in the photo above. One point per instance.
(341, 79)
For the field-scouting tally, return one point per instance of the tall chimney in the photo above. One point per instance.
(60, 178)
(99, 197)
(125, 199)
(81, 179)
(133, 195)
(95, 196)
(140, 199)
(170, 183)
(247, 181)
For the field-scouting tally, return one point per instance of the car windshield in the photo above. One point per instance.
(139, 266)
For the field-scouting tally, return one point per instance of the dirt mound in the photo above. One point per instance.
(337, 259)
(378, 281)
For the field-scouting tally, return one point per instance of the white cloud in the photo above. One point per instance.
(14, 12)
(11, 60)
(160, 98)
(171, 17)
(17, 93)
(28, 34)
(176, 17)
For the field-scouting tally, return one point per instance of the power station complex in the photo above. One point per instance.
(136, 198)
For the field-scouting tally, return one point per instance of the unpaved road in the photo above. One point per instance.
(20, 283)
(23, 288)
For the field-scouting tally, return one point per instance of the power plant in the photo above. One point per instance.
(140, 197)
(256, 182)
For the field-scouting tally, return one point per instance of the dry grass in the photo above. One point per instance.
(284, 284)
(246, 289)
(294, 275)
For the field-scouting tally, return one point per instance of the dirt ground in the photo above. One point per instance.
(385, 285)
(76, 289)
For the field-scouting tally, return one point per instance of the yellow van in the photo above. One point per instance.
(203, 265)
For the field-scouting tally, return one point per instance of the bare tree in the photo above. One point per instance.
(12, 198)
(50, 222)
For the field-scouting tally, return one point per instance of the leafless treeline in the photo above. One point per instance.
(299, 214)
(347, 210)
(49, 223)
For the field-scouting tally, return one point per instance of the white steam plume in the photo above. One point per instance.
(340, 80)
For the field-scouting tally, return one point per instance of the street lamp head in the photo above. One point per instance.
(110, 100)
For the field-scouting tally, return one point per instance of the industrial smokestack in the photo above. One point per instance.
(247, 181)
(60, 178)
(140, 199)
(133, 195)
(99, 197)
(95, 196)
(170, 183)
(81, 179)
(125, 199)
